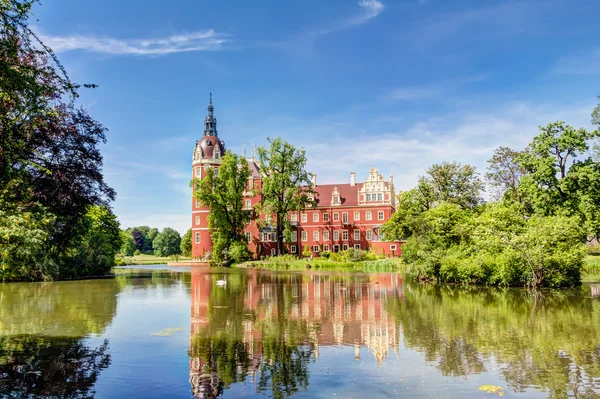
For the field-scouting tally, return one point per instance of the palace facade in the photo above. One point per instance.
(347, 215)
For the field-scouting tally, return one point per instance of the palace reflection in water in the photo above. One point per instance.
(305, 311)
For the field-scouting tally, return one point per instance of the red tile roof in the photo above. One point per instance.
(348, 194)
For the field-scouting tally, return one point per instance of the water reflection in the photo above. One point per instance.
(548, 341)
(42, 332)
(265, 328)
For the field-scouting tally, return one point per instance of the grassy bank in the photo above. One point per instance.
(294, 264)
(591, 267)
(143, 259)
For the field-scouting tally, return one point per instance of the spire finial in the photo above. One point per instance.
(210, 101)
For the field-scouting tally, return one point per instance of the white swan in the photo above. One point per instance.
(221, 283)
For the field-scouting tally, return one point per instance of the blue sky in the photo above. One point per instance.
(401, 84)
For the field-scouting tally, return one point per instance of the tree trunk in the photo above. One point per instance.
(279, 235)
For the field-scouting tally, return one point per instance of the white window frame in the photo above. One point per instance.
(344, 247)
(293, 249)
(380, 215)
(368, 215)
(392, 247)
(345, 217)
(336, 217)
(316, 248)
(356, 246)
(294, 217)
(356, 235)
(370, 235)
(368, 197)
(336, 248)
(197, 237)
(380, 197)
(325, 248)
(198, 172)
(326, 217)
(248, 237)
(197, 220)
(336, 235)
(345, 235)
(198, 204)
(316, 235)
(316, 217)
(356, 216)
(326, 235)
(304, 236)
(294, 236)
(304, 218)
(248, 203)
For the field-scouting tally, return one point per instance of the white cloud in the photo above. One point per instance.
(207, 40)
(178, 221)
(371, 9)
(414, 93)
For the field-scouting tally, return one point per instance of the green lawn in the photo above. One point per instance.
(591, 264)
(144, 259)
(379, 265)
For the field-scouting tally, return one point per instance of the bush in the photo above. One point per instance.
(354, 255)
(137, 252)
(239, 252)
(325, 255)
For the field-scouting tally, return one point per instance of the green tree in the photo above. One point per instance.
(556, 181)
(223, 193)
(50, 164)
(127, 244)
(404, 221)
(286, 185)
(504, 173)
(451, 182)
(186, 243)
(149, 238)
(596, 115)
(98, 241)
(167, 243)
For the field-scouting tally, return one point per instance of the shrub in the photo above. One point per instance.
(354, 255)
(137, 252)
(239, 252)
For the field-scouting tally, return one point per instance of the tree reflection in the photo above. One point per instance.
(41, 367)
(549, 341)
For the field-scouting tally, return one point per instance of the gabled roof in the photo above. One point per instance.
(348, 194)
(254, 168)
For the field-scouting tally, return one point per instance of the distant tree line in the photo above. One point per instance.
(143, 239)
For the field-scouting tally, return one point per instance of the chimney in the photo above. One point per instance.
(314, 179)
(352, 179)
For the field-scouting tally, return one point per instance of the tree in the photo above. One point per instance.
(403, 222)
(167, 243)
(50, 164)
(451, 182)
(286, 185)
(149, 238)
(186, 243)
(223, 193)
(98, 241)
(556, 182)
(127, 244)
(596, 115)
(138, 239)
(505, 172)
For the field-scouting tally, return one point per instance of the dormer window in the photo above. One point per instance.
(336, 199)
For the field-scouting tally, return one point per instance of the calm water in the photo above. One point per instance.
(167, 334)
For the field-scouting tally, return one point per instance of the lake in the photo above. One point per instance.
(154, 332)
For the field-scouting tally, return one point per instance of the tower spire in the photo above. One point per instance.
(210, 122)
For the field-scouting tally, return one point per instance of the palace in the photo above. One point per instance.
(347, 215)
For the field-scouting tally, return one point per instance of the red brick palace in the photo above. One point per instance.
(347, 215)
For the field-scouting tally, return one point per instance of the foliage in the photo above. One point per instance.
(127, 244)
(450, 182)
(596, 115)
(98, 241)
(239, 252)
(167, 242)
(286, 185)
(354, 255)
(186, 243)
(403, 222)
(50, 163)
(504, 173)
(223, 193)
(307, 251)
